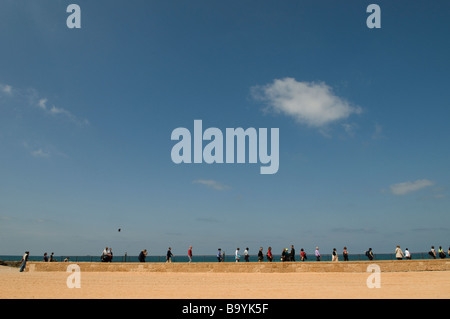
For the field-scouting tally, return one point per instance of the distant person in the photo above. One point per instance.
(260, 255)
(190, 253)
(24, 261)
(302, 255)
(441, 253)
(223, 255)
(45, 257)
(110, 253)
(219, 255)
(334, 255)
(283, 255)
(142, 256)
(345, 254)
(399, 253)
(432, 252)
(292, 253)
(105, 255)
(317, 254)
(52, 257)
(369, 254)
(237, 256)
(407, 254)
(246, 255)
(169, 255)
(269, 254)
(66, 259)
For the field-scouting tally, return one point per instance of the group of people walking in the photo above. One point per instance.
(286, 255)
(290, 255)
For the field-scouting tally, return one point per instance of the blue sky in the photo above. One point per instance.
(86, 117)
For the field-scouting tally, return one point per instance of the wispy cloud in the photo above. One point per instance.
(409, 187)
(211, 184)
(55, 111)
(311, 104)
(40, 153)
(42, 150)
(31, 97)
(378, 133)
(6, 89)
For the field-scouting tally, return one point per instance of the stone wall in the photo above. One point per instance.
(242, 267)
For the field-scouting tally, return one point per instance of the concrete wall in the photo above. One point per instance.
(265, 267)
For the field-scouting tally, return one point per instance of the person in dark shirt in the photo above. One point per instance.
(345, 254)
(142, 256)
(369, 254)
(169, 255)
(260, 255)
(219, 255)
(292, 254)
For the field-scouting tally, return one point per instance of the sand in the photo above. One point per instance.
(151, 285)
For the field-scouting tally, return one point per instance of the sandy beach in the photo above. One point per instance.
(151, 285)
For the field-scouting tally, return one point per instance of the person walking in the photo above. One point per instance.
(24, 261)
(432, 252)
(407, 254)
(246, 255)
(399, 253)
(260, 255)
(269, 254)
(142, 256)
(334, 255)
(369, 254)
(345, 254)
(302, 255)
(441, 253)
(283, 255)
(190, 253)
(219, 255)
(237, 256)
(317, 254)
(292, 253)
(169, 256)
(105, 255)
(110, 254)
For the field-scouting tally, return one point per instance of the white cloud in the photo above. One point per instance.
(211, 184)
(311, 104)
(408, 187)
(42, 104)
(6, 89)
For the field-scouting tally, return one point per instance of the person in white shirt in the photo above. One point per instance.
(407, 254)
(237, 255)
(24, 261)
(246, 255)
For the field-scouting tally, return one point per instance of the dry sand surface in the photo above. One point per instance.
(97, 285)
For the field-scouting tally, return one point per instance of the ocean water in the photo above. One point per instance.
(211, 258)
